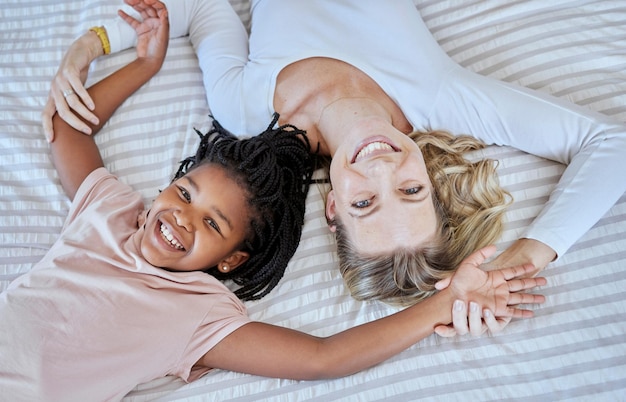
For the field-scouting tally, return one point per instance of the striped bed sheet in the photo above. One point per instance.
(574, 348)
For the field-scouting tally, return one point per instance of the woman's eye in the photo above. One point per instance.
(412, 190)
(362, 204)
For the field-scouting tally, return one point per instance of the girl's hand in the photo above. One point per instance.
(493, 291)
(152, 31)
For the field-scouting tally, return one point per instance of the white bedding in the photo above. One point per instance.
(575, 347)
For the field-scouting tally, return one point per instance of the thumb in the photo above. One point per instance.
(479, 256)
(445, 331)
(444, 283)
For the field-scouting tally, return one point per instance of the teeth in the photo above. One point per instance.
(167, 235)
(374, 146)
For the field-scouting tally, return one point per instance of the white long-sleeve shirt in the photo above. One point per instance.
(388, 41)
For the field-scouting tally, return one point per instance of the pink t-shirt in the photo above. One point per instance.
(93, 319)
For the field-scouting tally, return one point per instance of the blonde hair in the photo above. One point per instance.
(470, 205)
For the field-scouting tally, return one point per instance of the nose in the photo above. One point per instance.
(182, 220)
(382, 165)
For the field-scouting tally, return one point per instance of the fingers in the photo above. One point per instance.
(464, 322)
(444, 283)
(514, 312)
(479, 256)
(129, 19)
(495, 325)
(518, 271)
(63, 109)
(445, 331)
(76, 104)
(525, 298)
(460, 318)
(46, 119)
(476, 320)
(515, 285)
(79, 89)
(67, 94)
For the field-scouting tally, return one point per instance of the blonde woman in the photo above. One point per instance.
(359, 76)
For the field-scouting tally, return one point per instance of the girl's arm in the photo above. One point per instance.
(272, 351)
(215, 31)
(76, 155)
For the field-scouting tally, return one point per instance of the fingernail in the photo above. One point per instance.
(473, 306)
(94, 121)
(487, 313)
(458, 305)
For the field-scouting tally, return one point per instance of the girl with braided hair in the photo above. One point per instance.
(117, 302)
(275, 168)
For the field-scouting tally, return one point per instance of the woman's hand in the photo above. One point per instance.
(68, 95)
(523, 251)
(492, 296)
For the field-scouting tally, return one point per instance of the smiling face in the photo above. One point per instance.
(381, 191)
(197, 222)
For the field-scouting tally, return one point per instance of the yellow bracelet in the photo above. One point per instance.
(104, 38)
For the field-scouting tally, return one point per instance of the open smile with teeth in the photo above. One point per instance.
(167, 236)
(372, 148)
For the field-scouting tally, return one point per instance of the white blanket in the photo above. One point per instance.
(575, 347)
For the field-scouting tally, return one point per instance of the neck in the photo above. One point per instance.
(339, 118)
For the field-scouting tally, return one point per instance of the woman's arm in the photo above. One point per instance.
(590, 144)
(273, 351)
(76, 155)
(215, 31)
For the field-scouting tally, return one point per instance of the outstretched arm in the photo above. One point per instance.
(215, 31)
(76, 155)
(268, 350)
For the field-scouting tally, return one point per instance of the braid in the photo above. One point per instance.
(275, 169)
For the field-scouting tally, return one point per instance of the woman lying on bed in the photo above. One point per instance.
(359, 76)
(114, 304)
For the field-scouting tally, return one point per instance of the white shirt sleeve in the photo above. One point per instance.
(221, 43)
(592, 145)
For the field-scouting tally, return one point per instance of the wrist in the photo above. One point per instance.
(534, 251)
(103, 37)
(444, 300)
(90, 42)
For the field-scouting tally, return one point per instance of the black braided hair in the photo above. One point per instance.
(275, 169)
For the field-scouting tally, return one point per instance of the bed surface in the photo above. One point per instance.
(575, 347)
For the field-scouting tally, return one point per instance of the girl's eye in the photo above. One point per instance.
(362, 204)
(185, 194)
(412, 190)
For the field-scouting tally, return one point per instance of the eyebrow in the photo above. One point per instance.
(219, 213)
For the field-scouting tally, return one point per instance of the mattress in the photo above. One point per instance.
(573, 349)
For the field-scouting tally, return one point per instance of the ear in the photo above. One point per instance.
(330, 210)
(233, 261)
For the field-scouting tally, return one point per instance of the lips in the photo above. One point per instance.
(169, 238)
(373, 146)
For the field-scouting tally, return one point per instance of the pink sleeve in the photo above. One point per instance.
(226, 315)
(98, 185)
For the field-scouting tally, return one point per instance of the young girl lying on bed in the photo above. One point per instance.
(116, 303)
(358, 76)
